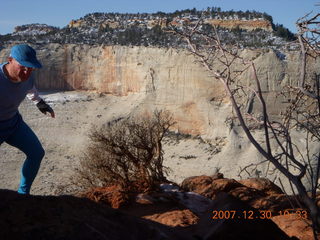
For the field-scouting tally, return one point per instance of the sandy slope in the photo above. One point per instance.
(64, 138)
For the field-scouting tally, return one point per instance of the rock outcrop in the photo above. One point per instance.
(259, 193)
(67, 217)
(166, 213)
(226, 216)
(242, 24)
(239, 227)
(293, 225)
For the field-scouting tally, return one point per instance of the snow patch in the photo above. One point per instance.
(194, 201)
(63, 97)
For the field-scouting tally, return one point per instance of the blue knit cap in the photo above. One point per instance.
(25, 55)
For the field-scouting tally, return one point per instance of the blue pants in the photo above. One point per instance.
(23, 138)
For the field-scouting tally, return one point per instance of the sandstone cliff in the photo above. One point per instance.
(167, 78)
(171, 79)
(242, 24)
(224, 23)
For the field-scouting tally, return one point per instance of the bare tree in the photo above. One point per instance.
(225, 63)
(127, 152)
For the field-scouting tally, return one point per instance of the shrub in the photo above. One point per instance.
(127, 152)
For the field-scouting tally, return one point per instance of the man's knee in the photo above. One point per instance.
(41, 152)
(37, 153)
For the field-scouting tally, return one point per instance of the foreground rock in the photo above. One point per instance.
(293, 225)
(195, 215)
(238, 226)
(169, 213)
(259, 193)
(66, 217)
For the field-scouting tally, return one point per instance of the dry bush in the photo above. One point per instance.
(127, 153)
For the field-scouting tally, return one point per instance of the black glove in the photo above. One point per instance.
(44, 107)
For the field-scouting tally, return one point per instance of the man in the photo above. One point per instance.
(15, 84)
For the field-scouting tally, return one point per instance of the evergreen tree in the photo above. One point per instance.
(283, 32)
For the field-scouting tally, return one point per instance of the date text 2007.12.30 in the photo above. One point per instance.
(259, 214)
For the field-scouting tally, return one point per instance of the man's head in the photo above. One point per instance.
(22, 62)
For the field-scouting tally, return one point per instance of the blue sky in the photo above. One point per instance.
(60, 12)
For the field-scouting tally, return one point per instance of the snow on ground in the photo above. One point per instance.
(63, 97)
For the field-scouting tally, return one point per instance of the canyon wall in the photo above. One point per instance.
(167, 78)
(172, 79)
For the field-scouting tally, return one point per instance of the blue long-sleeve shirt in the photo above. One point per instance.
(12, 94)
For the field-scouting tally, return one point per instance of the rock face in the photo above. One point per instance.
(242, 24)
(293, 225)
(224, 23)
(171, 79)
(167, 78)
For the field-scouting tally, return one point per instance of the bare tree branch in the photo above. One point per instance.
(223, 63)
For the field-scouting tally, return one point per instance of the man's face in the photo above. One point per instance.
(18, 72)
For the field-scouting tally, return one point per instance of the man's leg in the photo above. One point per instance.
(24, 139)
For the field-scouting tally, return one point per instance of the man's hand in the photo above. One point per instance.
(44, 108)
